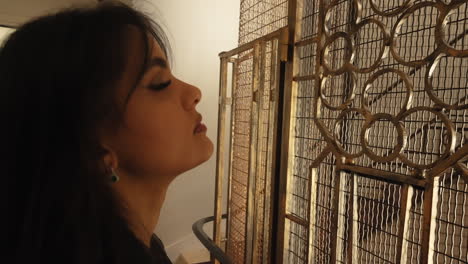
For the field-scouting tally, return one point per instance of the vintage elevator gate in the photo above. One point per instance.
(343, 132)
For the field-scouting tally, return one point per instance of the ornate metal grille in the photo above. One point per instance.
(375, 129)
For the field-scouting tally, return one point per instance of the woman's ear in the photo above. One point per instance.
(110, 159)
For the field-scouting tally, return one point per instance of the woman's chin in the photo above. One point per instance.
(201, 155)
(210, 149)
(206, 152)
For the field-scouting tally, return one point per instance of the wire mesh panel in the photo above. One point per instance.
(413, 234)
(373, 217)
(259, 18)
(242, 108)
(252, 145)
(378, 209)
(451, 236)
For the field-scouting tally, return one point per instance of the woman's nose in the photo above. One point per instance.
(192, 96)
(198, 94)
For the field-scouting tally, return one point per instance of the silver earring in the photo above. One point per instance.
(114, 177)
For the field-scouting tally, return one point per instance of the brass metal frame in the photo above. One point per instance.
(257, 102)
(349, 165)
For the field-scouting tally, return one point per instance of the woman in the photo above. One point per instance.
(95, 128)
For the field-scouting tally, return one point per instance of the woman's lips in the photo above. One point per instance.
(200, 128)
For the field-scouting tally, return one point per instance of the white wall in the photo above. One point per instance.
(16, 12)
(4, 33)
(198, 30)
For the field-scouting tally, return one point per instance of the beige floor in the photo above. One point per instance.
(197, 256)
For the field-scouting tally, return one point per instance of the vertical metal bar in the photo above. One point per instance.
(269, 159)
(354, 239)
(318, 58)
(405, 207)
(296, 36)
(429, 215)
(312, 213)
(275, 98)
(220, 154)
(351, 228)
(280, 179)
(270, 164)
(433, 222)
(259, 155)
(286, 146)
(334, 226)
(231, 142)
(335, 215)
(343, 225)
(287, 108)
(316, 114)
(251, 217)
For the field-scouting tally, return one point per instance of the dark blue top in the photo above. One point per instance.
(157, 251)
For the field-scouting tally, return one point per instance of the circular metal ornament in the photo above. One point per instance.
(334, 3)
(441, 27)
(409, 88)
(394, 12)
(383, 51)
(401, 138)
(455, 2)
(338, 143)
(396, 29)
(450, 142)
(348, 54)
(349, 98)
(430, 88)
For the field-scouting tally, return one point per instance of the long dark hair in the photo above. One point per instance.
(57, 89)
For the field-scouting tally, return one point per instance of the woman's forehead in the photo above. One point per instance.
(135, 37)
(136, 57)
(156, 50)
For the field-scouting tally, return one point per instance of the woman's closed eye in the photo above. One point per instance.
(160, 86)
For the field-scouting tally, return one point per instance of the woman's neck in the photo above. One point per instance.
(143, 202)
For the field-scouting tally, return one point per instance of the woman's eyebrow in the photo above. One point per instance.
(157, 62)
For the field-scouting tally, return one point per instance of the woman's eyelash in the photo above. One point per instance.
(161, 86)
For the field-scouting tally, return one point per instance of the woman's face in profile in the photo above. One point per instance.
(161, 134)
